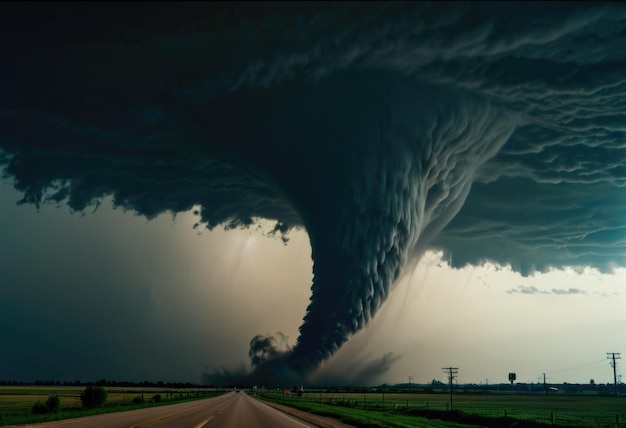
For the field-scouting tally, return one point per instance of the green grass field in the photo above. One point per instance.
(16, 402)
(393, 409)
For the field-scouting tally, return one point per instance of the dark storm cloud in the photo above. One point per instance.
(534, 226)
(365, 123)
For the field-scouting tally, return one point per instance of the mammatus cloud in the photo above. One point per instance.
(368, 125)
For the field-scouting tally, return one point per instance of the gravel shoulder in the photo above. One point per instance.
(320, 421)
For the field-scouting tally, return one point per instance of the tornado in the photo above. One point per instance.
(387, 165)
(424, 160)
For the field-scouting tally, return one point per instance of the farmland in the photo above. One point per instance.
(370, 408)
(482, 409)
(16, 402)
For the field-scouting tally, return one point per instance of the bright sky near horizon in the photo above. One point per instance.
(448, 178)
(194, 300)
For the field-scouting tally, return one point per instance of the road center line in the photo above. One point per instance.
(150, 421)
(201, 424)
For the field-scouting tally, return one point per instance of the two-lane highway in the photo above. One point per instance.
(232, 410)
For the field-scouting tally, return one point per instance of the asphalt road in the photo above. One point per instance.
(233, 410)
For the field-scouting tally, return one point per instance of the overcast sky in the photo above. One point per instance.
(369, 191)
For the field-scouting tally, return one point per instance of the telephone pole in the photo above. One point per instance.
(614, 356)
(452, 372)
(410, 379)
(545, 385)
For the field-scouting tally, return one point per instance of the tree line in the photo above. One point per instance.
(105, 382)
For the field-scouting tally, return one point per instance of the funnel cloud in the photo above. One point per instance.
(494, 132)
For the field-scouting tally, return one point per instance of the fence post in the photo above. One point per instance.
(616, 421)
(551, 419)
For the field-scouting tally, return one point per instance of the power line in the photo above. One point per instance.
(577, 368)
(614, 356)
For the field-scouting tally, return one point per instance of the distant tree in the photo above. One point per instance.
(93, 396)
(53, 403)
(592, 382)
(39, 408)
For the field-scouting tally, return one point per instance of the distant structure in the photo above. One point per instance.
(512, 377)
(545, 385)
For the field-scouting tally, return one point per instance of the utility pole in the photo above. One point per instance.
(452, 372)
(545, 386)
(614, 356)
(410, 379)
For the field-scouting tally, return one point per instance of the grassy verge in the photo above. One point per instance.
(365, 418)
(492, 412)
